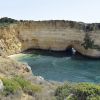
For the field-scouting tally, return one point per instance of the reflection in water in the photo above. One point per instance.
(60, 66)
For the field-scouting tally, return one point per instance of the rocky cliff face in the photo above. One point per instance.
(51, 35)
(9, 90)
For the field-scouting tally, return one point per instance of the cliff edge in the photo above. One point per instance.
(57, 35)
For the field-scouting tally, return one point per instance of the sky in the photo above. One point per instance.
(77, 10)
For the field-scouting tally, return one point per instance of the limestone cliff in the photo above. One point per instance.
(51, 35)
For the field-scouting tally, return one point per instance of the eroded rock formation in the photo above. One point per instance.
(50, 35)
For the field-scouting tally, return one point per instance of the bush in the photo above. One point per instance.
(10, 86)
(86, 90)
(27, 86)
(63, 91)
(15, 84)
(79, 91)
(7, 20)
(94, 98)
(88, 42)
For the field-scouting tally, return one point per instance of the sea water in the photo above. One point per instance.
(60, 66)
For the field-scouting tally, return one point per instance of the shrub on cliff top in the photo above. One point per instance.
(79, 91)
(27, 86)
(17, 83)
(7, 20)
(10, 86)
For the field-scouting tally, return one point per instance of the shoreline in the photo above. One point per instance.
(16, 55)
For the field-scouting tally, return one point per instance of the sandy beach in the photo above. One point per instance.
(16, 55)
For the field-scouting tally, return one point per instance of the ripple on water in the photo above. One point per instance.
(63, 68)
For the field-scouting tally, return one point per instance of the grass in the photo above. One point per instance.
(18, 83)
(68, 91)
(10, 86)
(27, 86)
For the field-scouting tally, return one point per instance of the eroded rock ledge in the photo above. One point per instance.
(57, 35)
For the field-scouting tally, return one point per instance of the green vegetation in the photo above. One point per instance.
(5, 21)
(17, 83)
(10, 86)
(27, 86)
(79, 91)
(88, 42)
(68, 91)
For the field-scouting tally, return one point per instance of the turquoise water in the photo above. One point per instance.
(59, 66)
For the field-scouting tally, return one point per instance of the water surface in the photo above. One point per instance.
(59, 66)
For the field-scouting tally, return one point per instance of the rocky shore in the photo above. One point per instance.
(10, 69)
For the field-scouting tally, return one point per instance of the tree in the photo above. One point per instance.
(88, 42)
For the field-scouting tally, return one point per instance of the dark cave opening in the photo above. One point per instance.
(68, 52)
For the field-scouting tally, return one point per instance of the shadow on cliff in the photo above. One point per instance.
(67, 53)
(79, 56)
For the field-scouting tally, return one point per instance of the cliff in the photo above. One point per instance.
(18, 83)
(57, 35)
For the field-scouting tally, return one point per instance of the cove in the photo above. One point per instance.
(61, 66)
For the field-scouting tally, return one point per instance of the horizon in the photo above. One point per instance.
(86, 11)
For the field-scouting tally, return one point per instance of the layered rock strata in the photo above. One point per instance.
(50, 35)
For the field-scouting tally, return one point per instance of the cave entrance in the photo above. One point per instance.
(70, 50)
